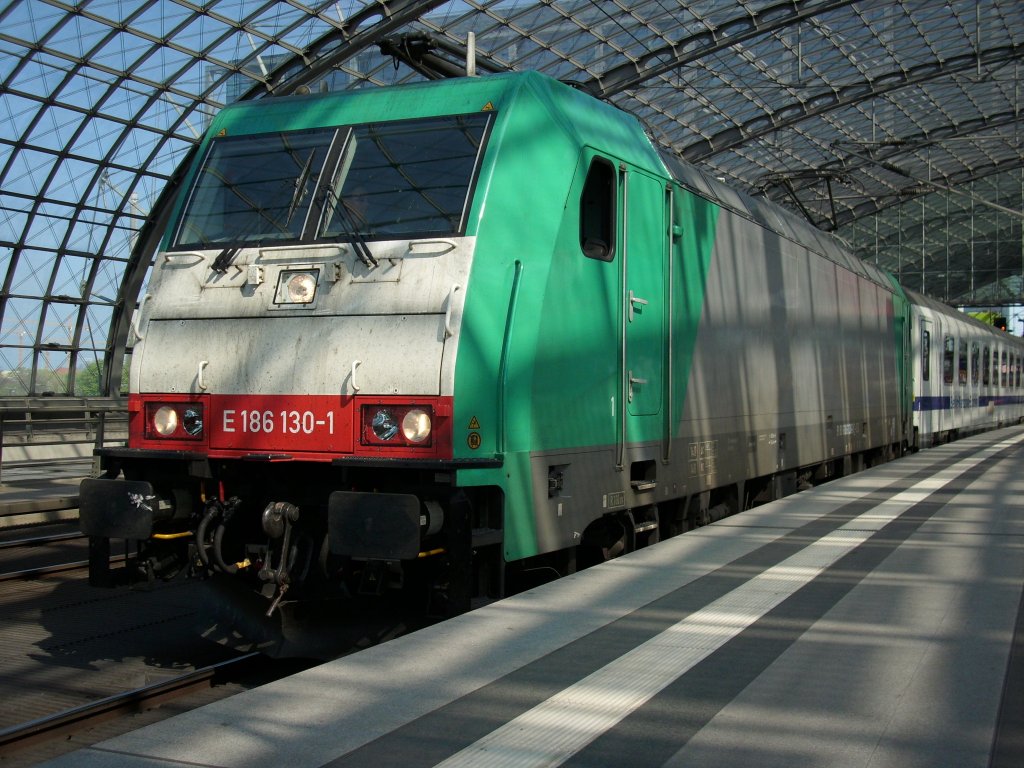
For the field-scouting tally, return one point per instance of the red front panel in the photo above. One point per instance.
(281, 423)
(314, 427)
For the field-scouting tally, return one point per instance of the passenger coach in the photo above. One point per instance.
(967, 375)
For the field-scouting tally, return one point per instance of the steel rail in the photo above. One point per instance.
(137, 700)
(46, 570)
(41, 540)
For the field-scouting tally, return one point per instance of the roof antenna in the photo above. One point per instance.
(471, 54)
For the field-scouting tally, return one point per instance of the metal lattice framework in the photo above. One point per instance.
(895, 124)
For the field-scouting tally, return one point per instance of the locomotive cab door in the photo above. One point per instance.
(643, 305)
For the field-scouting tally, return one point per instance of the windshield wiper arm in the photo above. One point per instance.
(300, 189)
(224, 259)
(358, 241)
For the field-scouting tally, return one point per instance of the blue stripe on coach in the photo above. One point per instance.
(947, 403)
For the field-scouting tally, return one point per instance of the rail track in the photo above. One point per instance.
(72, 656)
(35, 541)
(46, 570)
(31, 556)
(79, 665)
(60, 724)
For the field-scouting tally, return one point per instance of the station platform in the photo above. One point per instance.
(41, 493)
(44, 502)
(873, 621)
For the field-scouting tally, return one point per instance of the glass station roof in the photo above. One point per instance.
(896, 125)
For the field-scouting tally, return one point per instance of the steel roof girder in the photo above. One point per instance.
(910, 231)
(826, 101)
(317, 59)
(802, 179)
(874, 206)
(726, 35)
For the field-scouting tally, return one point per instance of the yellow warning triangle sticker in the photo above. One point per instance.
(488, 107)
(474, 424)
(222, 132)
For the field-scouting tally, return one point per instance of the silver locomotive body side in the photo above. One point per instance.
(795, 363)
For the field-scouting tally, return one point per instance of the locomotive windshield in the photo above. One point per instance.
(373, 181)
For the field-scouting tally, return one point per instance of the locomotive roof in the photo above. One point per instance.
(772, 217)
(571, 110)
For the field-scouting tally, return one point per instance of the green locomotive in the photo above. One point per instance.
(440, 340)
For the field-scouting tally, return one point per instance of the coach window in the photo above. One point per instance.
(1017, 370)
(597, 211)
(926, 355)
(975, 363)
(986, 357)
(962, 360)
(995, 367)
(1004, 377)
(948, 353)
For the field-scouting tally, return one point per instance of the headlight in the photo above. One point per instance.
(399, 425)
(416, 425)
(384, 425)
(296, 286)
(165, 420)
(301, 288)
(174, 421)
(192, 421)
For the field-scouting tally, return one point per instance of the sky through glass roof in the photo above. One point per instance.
(896, 125)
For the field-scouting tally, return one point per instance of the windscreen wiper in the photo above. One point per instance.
(300, 189)
(224, 259)
(352, 231)
(359, 243)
